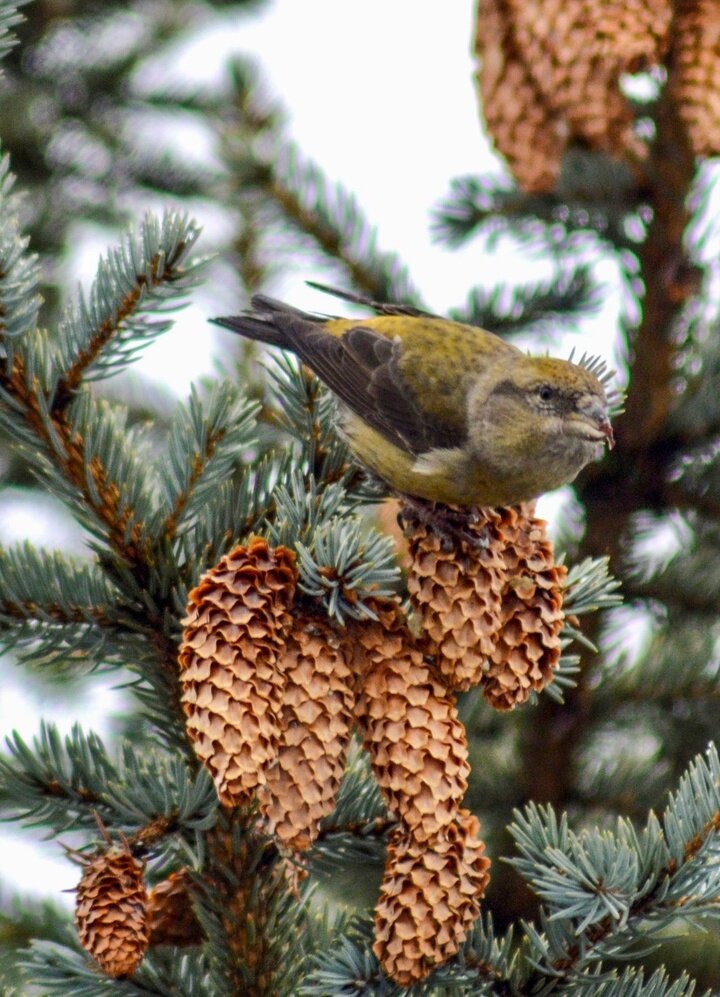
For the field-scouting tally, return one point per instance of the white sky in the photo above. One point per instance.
(380, 94)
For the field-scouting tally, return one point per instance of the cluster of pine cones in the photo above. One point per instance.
(273, 691)
(549, 75)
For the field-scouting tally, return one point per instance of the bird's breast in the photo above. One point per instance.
(443, 475)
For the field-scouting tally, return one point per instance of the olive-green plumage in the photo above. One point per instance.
(444, 411)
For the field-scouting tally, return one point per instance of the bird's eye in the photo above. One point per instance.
(546, 393)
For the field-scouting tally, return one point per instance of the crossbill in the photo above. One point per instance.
(440, 410)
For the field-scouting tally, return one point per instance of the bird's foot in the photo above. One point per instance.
(455, 525)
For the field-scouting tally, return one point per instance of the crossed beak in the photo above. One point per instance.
(594, 413)
(607, 431)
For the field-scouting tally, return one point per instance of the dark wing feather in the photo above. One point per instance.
(362, 369)
(361, 366)
(387, 401)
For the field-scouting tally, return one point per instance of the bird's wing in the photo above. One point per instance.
(362, 367)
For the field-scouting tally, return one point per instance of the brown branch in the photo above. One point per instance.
(669, 279)
(328, 239)
(158, 828)
(29, 610)
(199, 462)
(70, 381)
(136, 550)
(366, 829)
(56, 790)
(245, 872)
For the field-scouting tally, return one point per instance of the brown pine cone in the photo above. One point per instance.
(236, 622)
(571, 55)
(170, 915)
(527, 648)
(429, 898)
(410, 725)
(626, 36)
(694, 76)
(518, 116)
(630, 35)
(456, 592)
(110, 912)
(315, 723)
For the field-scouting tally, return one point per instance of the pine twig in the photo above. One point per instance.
(161, 272)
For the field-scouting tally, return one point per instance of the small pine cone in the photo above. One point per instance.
(429, 898)
(235, 626)
(410, 726)
(316, 722)
(456, 591)
(170, 915)
(527, 649)
(519, 118)
(694, 77)
(110, 912)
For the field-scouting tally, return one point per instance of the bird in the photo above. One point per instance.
(442, 411)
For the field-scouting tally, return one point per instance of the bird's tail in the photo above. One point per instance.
(269, 321)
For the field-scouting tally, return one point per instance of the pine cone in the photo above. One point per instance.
(315, 722)
(527, 648)
(410, 726)
(429, 898)
(626, 36)
(694, 77)
(170, 916)
(110, 912)
(521, 121)
(550, 73)
(236, 622)
(630, 35)
(456, 592)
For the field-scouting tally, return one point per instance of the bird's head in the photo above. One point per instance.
(548, 410)
(565, 398)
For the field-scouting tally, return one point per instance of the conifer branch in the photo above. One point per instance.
(84, 444)
(90, 479)
(606, 891)
(106, 330)
(301, 194)
(506, 310)
(65, 784)
(9, 17)
(206, 439)
(48, 586)
(378, 827)
(333, 221)
(19, 270)
(246, 907)
(492, 205)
